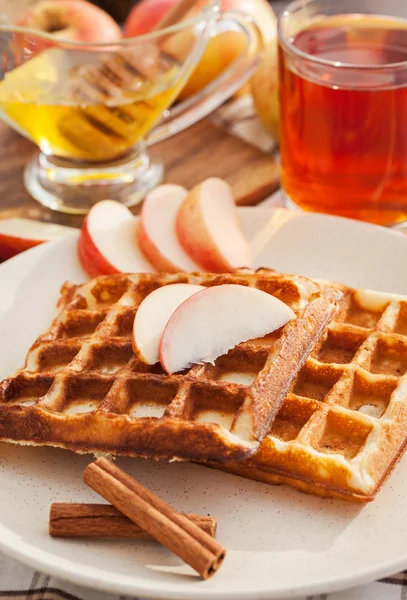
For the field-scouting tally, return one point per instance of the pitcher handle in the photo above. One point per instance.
(198, 106)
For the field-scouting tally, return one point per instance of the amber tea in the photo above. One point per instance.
(344, 117)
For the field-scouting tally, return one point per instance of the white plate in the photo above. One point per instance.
(280, 542)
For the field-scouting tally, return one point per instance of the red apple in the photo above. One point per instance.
(231, 314)
(208, 228)
(221, 50)
(17, 235)
(108, 241)
(157, 236)
(76, 20)
(152, 316)
(145, 16)
(148, 13)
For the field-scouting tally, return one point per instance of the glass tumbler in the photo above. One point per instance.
(343, 97)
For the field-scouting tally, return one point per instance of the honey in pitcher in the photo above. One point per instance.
(37, 99)
(93, 132)
(343, 129)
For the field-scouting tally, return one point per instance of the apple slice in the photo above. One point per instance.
(108, 241)
(215, 320)
(152, 316)
(209, 230)
(156, 231)
(17, 235)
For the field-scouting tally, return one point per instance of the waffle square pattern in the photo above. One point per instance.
(343, 424)
(83, 389)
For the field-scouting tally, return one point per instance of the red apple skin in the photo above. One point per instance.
(7, 252)
(145, 16)
(17, 239)
(76, 20)
(89, 256)
(11, 246)
(8, 249)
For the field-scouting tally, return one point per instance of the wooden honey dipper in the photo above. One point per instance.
(129, 68)
(106, 88)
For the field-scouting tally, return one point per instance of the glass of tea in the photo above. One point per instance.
(343, 93)
(93, 109)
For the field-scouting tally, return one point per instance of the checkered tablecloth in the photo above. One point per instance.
(22, 583)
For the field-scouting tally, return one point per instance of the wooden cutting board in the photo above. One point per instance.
(204, 150)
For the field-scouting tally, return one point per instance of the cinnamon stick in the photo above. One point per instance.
(169, 527)
(103, 520)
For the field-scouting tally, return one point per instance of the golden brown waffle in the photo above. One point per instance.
(343, 426)
(83, 389)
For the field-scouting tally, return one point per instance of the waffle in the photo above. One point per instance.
(343, 425)
(83, 389)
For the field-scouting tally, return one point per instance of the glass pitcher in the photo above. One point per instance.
(93, 109)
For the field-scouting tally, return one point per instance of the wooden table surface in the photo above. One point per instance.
(201, 151)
